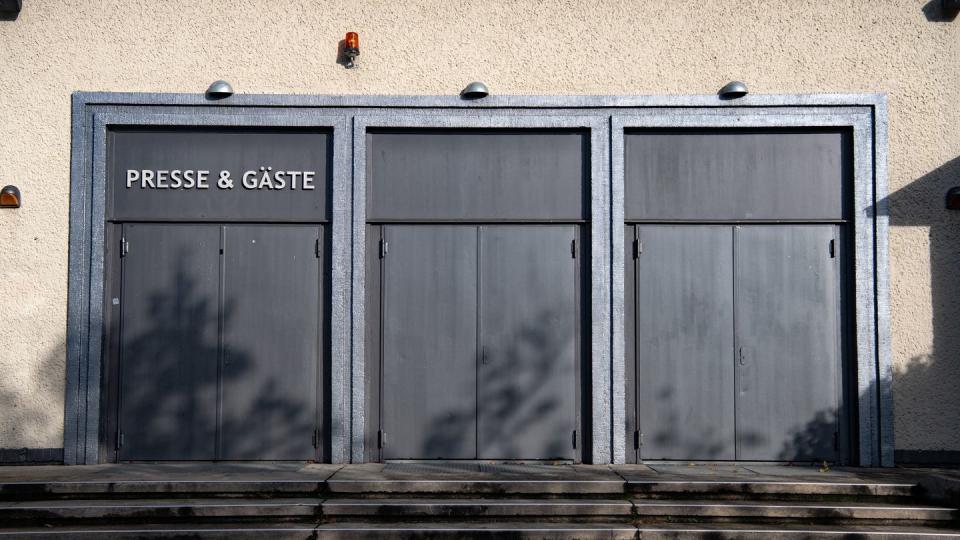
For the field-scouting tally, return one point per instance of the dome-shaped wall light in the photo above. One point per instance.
(10, 197)
(219, 90)
(475, 90)
(733, 90)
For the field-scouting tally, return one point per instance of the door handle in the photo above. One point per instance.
(742, 357)
(483, 355)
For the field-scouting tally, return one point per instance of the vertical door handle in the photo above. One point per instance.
(483, 355)
(742, 357)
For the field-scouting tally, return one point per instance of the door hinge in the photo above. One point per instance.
(316, 248)
(637, 439)
(384, 246)
(381, 439)
(573, 248)
(316, 438)
(833, 248)
(574, 439)
(637, 248)
(124, 247)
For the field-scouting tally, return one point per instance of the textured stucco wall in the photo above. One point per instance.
(518, 47)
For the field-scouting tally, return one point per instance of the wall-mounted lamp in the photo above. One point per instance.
(10, 197)
(733, 90)
(351, 49)
(219, 90)
(475, 90)
(953, 198)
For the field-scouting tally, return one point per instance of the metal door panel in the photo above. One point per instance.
(169, 349)
(787, 328)
(684, 343)
(631, 424)
(527, 374)
(271, 342)
(429, 393)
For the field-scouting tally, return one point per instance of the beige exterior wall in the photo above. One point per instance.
(433, 47)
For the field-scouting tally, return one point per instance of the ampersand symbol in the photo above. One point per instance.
(225, 182)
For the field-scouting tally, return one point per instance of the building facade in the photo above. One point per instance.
(601, 261)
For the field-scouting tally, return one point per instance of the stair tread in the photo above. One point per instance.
(788, 504)
(473, 501)
(800, 529)
(158, 503)
(301, 501)
(359, 525)
(355, 526)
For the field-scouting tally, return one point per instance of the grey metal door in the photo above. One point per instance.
(528, 328)
(271, 342)
(169, 348)
(787, 339)
(429, 349)
(684, 343)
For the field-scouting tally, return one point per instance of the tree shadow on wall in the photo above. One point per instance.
(927, 403)
(173, 381)
(32, 410)
(521, 414)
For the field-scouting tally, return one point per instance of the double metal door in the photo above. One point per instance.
(737, 342)
(220, 342)
(479, 342)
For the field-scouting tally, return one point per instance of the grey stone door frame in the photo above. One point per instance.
(93, 113)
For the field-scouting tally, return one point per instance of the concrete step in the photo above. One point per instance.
(796, 532)
(146, 510)
(88, 488)
(766, 488)
(351, 531)
(383, 509)
(807, 512)
(338, 531)
(542, 509)
(461, 487)
(478, 487)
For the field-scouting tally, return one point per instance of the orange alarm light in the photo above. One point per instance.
(352, 41)
(10, 197)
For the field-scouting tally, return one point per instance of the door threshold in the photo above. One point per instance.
(482, 461)
(708, 463)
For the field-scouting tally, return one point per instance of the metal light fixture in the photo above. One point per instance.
(219, 90)
(733, 90)
(10, 197)
(953, 198)
(351, 49)
(475, 90)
